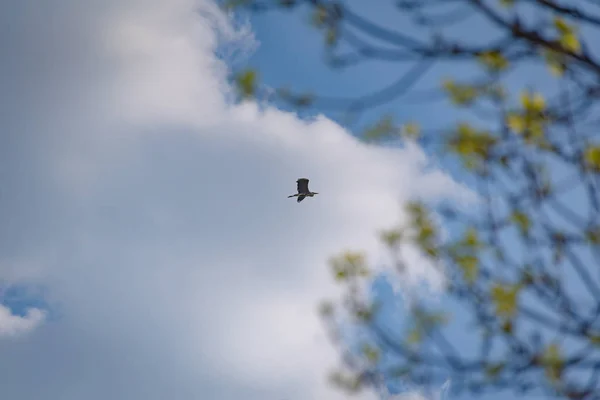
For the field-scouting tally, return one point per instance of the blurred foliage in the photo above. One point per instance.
(523, 265)
(246, 82)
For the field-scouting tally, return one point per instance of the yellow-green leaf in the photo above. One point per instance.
(567, 35)
(348, 382)
(410, 130)
(371, 353)
(556, 62)
(592, 157)
(469, 266)
(385, 127)
(570, 42)
(592, 235)
(365, 314)
(533, 102)
(331, 36)
(505, 299)
(472, 238)
(561, 26)
(471, 145)
(349, 264)
(246, 83)
(493, 60)
(553, 363)
(493, 370)
(515, 122)
(319, 16)
(414, 336)
(425, 233)
(522, 221)
(460, 94)
(392, 237)
(595, 340)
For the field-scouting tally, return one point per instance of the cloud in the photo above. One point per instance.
(156, 216)
(14, 325)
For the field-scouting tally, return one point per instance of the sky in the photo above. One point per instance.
(148, 248)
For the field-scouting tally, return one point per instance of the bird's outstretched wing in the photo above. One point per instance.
(300, 198)
(302, 185)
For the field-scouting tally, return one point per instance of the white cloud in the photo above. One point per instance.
(159, 213)
(12, 325)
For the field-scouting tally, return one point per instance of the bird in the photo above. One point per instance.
(303, 191)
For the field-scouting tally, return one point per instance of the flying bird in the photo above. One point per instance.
(302, 190)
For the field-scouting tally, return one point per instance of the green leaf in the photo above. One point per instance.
(507, 327)
(410, 130)
(341, 275)
(493, 370)
(392, 237)
(471, 239)
(567, 35)
(505, 299)
(556, 62)
(522, 221)
(371, 353)
(531, 121)
(331, 36)
(460, 94)
(595, 339)
(533, 102)
(493, 60)
(414, 337)
(472, 146)
(383, 128)
(348, 382)
(319, 16)
(592, 235)
(571, 42)
(592, 157)
(515, 122)
(553, 363)
(425, 236)
(348, 265)
(365, 314)
(470, 268)
(246, 83)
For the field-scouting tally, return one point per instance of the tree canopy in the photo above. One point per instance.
(525, 268)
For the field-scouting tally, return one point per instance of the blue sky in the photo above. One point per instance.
(145, 217)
